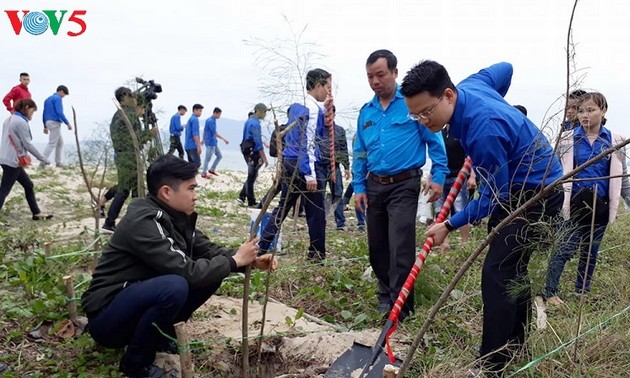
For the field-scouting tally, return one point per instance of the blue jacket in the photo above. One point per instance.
(176, 127)
(253, 131)
(192, 130)
(53, 110)
(210, 132)
(508, 151)
(301, 141)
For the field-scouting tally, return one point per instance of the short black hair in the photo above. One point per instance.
(197, 106)
(24, 74)
(392, 62)
(63, 88)
(217, 110)
(577, 94)
(316, 76)
(521, 108)
(426, 76)
(121, 93)
(169, 170)
(252, 113)
(181, 107)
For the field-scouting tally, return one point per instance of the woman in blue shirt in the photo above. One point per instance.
(583, 211)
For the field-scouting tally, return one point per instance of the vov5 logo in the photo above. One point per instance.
(36, 23)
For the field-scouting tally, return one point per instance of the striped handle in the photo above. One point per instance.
(422, 255)
(330, 123)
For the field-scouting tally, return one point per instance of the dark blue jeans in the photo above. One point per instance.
(294, 186)
(575, 238)
(340, 218)
(346, 200)
(193, 156)
(129, 319)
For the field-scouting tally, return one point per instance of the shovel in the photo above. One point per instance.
(371, 361)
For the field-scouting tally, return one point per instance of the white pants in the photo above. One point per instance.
(55, 141)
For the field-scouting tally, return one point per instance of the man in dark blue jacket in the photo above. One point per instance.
(302, 176)
(513, 160)
(176, 128)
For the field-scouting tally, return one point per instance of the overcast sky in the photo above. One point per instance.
(196, 49)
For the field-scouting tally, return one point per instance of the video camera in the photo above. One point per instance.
(144, 95)
(148, 91)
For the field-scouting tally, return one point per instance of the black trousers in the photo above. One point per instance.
(391, 219)
(294, 186)
(9, 176)
(247, 192)
(505, 284)
(176, 144)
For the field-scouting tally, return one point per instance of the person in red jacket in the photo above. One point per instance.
(17, 93)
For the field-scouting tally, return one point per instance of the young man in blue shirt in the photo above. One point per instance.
(53, 117)
(210, 139)
(514, 161)
(193, 138)
(301, 175)
(176, 128)
(389, 152)
(252, 131)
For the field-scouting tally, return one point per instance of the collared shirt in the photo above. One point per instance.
(53, 110)
(210, 132)
(176, 127)
(585, 151)
(388, 142)
(508, 151)
(192, 131)
(253, 131)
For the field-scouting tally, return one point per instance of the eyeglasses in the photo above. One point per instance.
(426, 114)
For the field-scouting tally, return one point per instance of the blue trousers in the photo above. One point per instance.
(129, 319)
(575, 238)
(346, 200)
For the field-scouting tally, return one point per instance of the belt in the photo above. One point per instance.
(402, 176)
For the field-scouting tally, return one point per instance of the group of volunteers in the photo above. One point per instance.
(158, 267)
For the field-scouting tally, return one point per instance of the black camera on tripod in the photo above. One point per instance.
(148, 91)
(144, 95)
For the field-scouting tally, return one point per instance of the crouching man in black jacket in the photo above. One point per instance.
(158, 269)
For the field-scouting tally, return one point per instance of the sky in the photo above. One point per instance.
(197, 50)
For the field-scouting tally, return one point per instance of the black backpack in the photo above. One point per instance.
(247, 148)
(273, 145)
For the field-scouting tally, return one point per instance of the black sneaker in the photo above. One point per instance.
(169, 347)
(151, 371)
(108, 229)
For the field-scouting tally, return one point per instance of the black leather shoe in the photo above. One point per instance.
(169, 347)
(42, 216)
(151, 371)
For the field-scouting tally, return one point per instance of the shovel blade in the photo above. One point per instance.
(353, 361)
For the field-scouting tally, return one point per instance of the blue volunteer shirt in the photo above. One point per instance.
(508, 151)
(53, 110)
(192, 130)
(176, 127)
(388, 142)
(210, 132)
(585, 151)
(253, 131)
